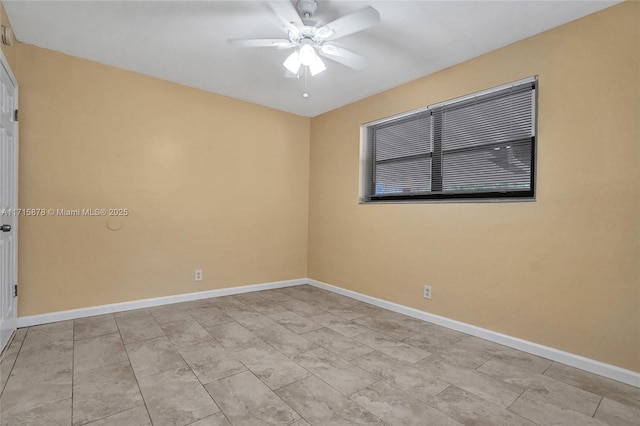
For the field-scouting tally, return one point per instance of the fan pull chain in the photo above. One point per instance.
(305, 94)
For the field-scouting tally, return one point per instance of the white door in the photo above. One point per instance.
(8, 201)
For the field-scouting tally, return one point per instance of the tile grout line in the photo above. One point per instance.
(144, 402)
(193, 372)
(13, 363)
(73, 365)
(596, 410)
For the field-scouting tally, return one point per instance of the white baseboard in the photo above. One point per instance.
(573, 360)
(607, 370)
(148, 303)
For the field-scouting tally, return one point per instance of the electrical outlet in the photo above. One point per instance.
(427, 292)
(198, 275)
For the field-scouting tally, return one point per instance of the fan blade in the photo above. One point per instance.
(281, 43)
(287, 13)
(343, 56)
(350, 23)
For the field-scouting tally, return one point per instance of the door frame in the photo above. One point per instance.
(14, 299)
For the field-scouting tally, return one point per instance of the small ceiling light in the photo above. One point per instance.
(292, 63)
(306, 55)
(317, 66)
(305, 95)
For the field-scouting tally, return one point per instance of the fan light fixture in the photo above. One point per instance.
(305, 55)
(310, 39)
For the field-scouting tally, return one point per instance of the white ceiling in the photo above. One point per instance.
(186, 41)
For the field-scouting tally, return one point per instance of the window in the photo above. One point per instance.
(481, 146)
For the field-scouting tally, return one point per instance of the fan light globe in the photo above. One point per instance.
(292, 63)
(307, 54)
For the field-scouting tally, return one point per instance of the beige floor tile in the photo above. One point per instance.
(251, 320)
(392, 347)
(399, 408)
(43, 368)
(94, 326)
(217, 419)
(37, 382)
(40, 341)
(170, 313)
(52, 414)
(435, 339)
(264, 306)
(128, 315)
(103, 392)
(470, 409)
(294, 322)
(98, 351)
(301, 422)
(338, 344)
(318, 403)
(284, 340)
(522, 360)
(616, 414)
(16, 342)
(386, 326)
(270, 366)
(593, 383)
(153, 356)
(185, 332)
(209, 316)
(401, 375)
(340, 325)
(234, 337)
(52, 327)
(302, 308)
(6, 365)
(211, 361)
(543, 388)
(335, 371)
(137, 329)
(352, 312)
(455, 351)
(34, 360)
(317, 350)
(20, 334)
(229, 304)
(544, 413)
(137, 416)
(246, 401)
(326, 303)
(176, 397)
(335, 299)
(277, 295)
(493, 390)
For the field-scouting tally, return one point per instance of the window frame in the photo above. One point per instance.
(368, 162)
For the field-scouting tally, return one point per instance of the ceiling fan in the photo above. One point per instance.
(311, 39)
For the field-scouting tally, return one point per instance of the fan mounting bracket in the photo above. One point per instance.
(307, 8)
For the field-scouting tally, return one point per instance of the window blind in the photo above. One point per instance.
(480, 146)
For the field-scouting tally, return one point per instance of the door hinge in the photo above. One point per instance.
(15, 290)
(15, 115)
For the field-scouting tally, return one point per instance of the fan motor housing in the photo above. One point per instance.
(307, 8)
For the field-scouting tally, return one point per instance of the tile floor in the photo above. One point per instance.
(293, 356)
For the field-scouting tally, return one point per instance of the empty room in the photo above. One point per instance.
(330, 212)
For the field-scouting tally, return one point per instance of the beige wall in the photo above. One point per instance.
(562, 271)
(9, 52)
(211, 183)
(223, 185)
